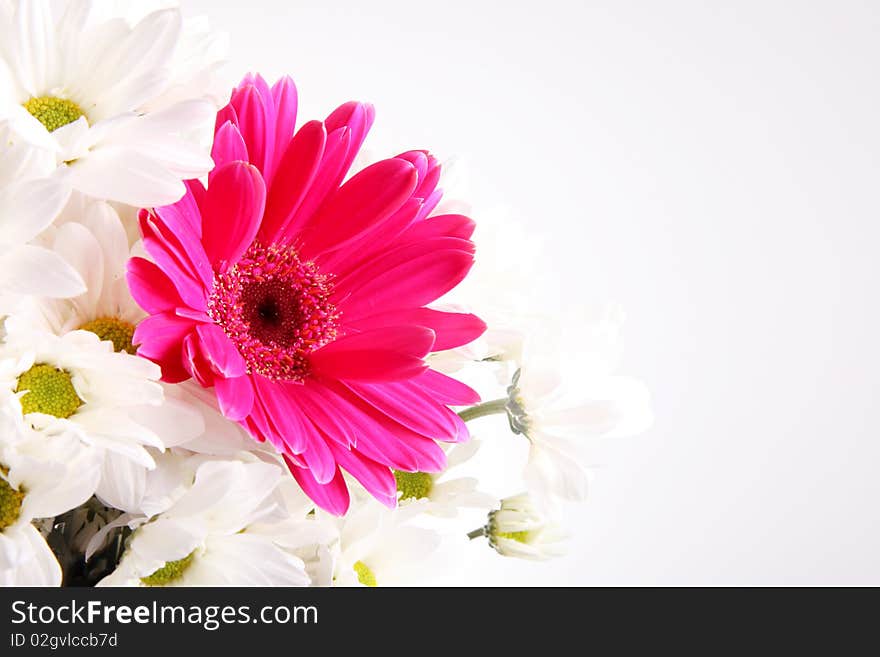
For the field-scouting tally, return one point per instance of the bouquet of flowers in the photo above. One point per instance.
(235, 351)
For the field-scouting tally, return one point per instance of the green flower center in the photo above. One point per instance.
(365, 575)
(415, 485)
(49, 391)
(53, 112)
(115, 330)
(170, 572)
(10, 502)
(520, 537)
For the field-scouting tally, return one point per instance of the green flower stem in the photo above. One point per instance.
(477, 533)
(493, 407)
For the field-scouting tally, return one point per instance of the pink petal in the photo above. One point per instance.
(284, 413)
(377, 479)
(348, 283)
(195, 194)
(451, 329)
(410, 284)
(195, 362)
(293, 179)
(255, 110)
(151, 288)
(332, 497)
(342, 403)
(429, 171)
(367, 246)
(225, 359)
(446, 225)
(173, 262)
(259, 425)
(226, 113)
(446, 390)
(176, 227)
(410, 406)
(357, 118)
(317, 456)
(228, 147)
(284, 97)
(366, 200)
(160, 338)
(463, 434)
(235, 396)
(380, 438)
(329, 417)
(233, 209)
(325, 180)
(346, 129)
(390, 354)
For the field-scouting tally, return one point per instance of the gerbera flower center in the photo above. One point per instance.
(413, 485)
(170, 572)
(48, 390)
(365, 575)
(115, 330)
(275, 309)
(53, 112)
(10, 501)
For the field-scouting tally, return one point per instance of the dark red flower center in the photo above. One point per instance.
(276, 310)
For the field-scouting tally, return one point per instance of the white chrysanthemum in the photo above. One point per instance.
(518, 529)
(204, 536)
(103, 96)
(559, 407)
(76, 385)
(34, 485)
(30, 199)
(377, 548)
(443, 495)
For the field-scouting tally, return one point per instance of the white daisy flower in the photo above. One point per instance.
(560, 404)
(441, 494)
(203, 537)
(102, 96)
(559, 414)
(75, 385)
(377, 548)
(30, 199)
(33, 486)
(518, 529)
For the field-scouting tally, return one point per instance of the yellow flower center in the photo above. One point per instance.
(365, 575)
(10, 501)
(115, 330)
(53, 112)
(49, 391)
(520, 537)
(170, 572)
(415, 485)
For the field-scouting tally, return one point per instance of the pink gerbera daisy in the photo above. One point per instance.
(301, 300)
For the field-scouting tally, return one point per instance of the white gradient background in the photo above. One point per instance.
(711, 166)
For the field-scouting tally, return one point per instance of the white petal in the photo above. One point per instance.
(552, 471)
(27, 209)
(126, 176)
(245, 560)
(174, 421)
(123, 483)
(28, 269)
(39, 567)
